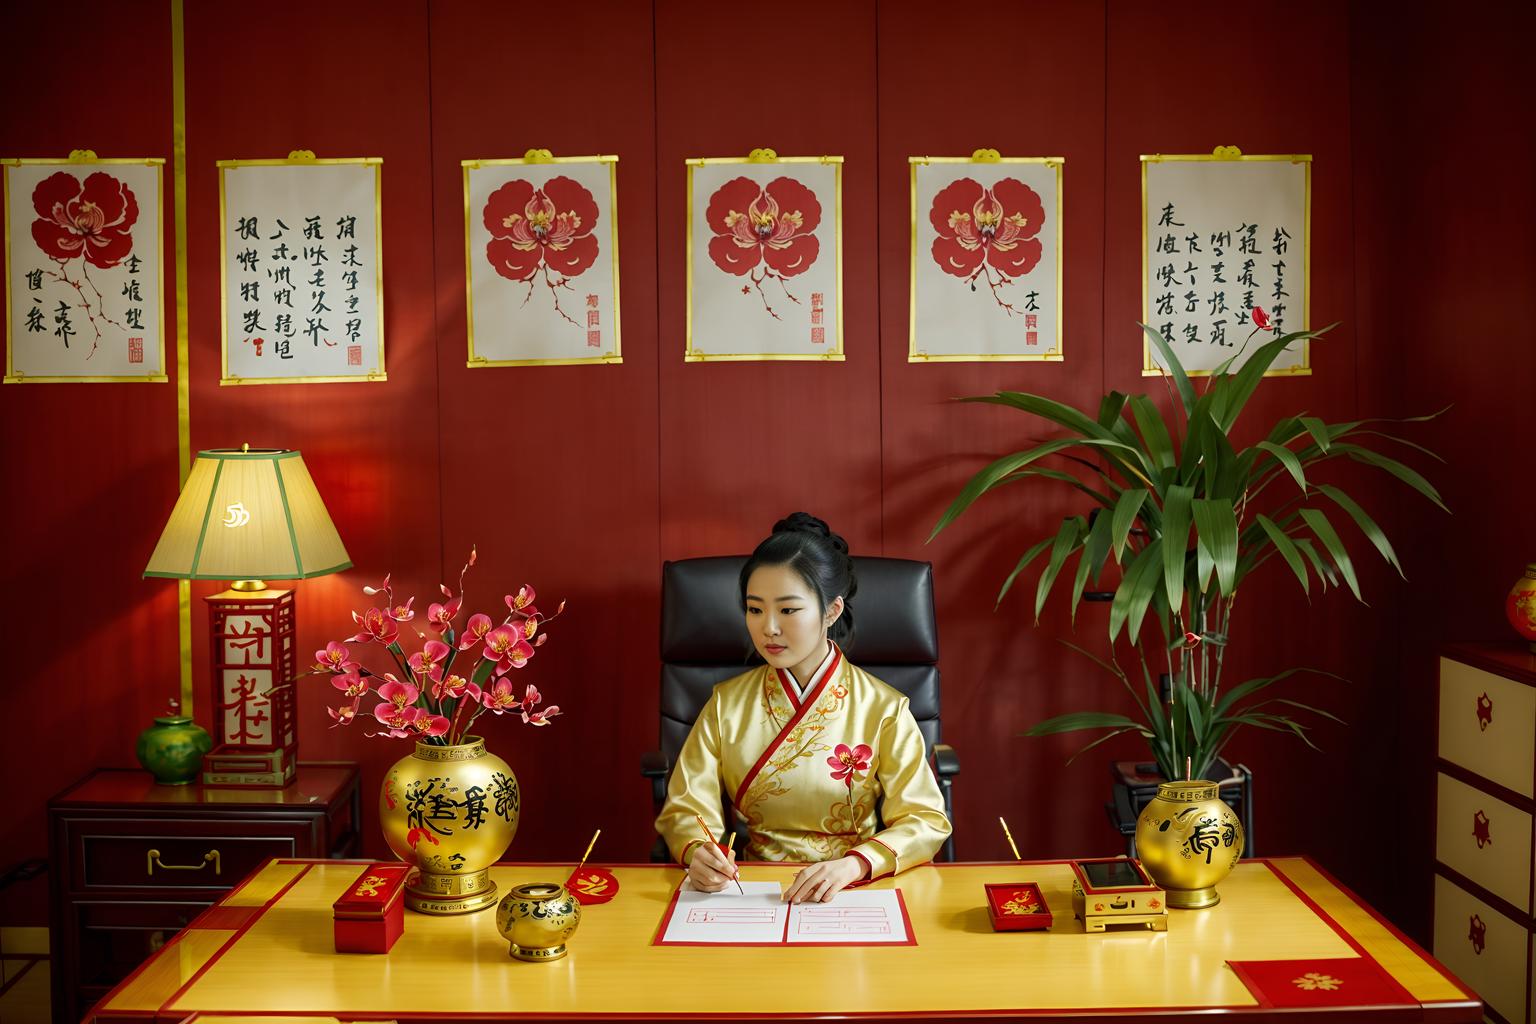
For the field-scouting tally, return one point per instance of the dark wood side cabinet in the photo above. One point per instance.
(132, 862)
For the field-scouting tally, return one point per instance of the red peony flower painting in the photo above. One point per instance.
(93, 223)
(987, 232)
(538, 230)
(764, 232)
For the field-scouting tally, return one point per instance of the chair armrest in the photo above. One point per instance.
(946, 763)
(653, 764)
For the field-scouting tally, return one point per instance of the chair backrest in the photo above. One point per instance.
(704, 637)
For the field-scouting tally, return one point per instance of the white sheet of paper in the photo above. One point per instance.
(729, 916)
(863, 916)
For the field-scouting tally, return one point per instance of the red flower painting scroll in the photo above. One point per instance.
(542, 234)
(987, 233)
(764, 232)
(92, 223)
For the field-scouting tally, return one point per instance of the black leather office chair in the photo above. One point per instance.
(704, 641)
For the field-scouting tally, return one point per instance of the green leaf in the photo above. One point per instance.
(1174, 368)
(1024, 560)
(993, 474)
(1125, 516)
(1324, 532)
(1109, 409)
(1245, 380)
(1154, 432)
(1286, 458)
(1216, 526)
(1175, 541)
(1067, 540)
(1397, 469)
(1107, 737)
(1056, 474)
(1095, 550)
(1141, 579)
(1320, 565)
(1366, 523)
(1081, 720)
(1319, 431)
(1287, 549)
(1232, 697)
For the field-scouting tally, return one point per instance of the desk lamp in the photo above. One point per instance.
(250, 515)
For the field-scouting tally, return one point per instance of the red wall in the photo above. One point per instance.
(581, 480)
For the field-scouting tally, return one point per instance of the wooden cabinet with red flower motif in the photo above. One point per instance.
(1485, 823)
(133, 862)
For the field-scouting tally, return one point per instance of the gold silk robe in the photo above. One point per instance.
(807, 775)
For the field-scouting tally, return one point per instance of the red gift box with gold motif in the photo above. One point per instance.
(370, 915)
(1017, 906)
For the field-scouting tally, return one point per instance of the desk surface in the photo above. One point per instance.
(266, 949)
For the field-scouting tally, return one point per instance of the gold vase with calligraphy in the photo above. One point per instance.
(1189, 840)
(451, 811)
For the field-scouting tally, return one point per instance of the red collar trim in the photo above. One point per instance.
(800, 711)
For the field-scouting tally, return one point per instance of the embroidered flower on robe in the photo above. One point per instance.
(848, 761)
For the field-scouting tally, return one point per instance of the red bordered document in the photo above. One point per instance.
(760, 917)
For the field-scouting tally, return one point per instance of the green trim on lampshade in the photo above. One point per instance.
(293, 537)
(197, 552)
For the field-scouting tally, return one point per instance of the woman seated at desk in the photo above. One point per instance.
(808, 746)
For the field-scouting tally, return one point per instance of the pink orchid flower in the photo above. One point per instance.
(454, 686)
(1192, 640)
(847, 761)
(541, 717)
(402, 612)
(427, 724)
(505, 645)
(335, 658)
(396, 720)
(382, 588)
(344, 714)
(440, 616)
(474, 630)
(1261, 319)
(427, 663)
(498, 697)
(350, 683)
(531, 697)
(399, 694)
(376, 626)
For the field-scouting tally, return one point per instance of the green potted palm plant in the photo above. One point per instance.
(1188, 518)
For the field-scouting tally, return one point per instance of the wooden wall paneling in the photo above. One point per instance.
(551, 470)
(88, 470)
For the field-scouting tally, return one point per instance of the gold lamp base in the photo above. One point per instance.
(451, 894)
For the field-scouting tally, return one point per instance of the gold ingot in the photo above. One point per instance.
(1189, 840)
(452, 812)
(537, 919)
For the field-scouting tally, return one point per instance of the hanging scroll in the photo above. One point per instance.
(1221, 234)
(765, 265)
(986, 258)
(542, 260)
(301, 270)
(83, 286)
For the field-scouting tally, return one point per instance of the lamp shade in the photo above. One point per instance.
(248, 514)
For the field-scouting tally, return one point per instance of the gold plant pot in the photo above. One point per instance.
(537, 919)
(1189, 840)
(452, 812)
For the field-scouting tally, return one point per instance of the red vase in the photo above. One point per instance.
(1520, 605)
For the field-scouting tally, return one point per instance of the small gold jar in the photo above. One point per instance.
(537, 918)
(1189, 840)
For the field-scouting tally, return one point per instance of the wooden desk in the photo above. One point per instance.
(266, 950)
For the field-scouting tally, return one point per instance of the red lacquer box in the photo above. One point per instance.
(370, 915)
(1017, 906)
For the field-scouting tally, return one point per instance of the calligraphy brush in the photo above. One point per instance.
(1009, 836)
(588, 853)
(711, 837)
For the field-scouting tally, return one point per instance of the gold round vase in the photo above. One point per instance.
(452, 812)
(1189, 840)
(537, 919)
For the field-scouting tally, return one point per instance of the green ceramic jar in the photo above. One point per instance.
(172, 749)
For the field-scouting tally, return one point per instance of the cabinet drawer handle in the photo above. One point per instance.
(1480, 830)
(211, 857)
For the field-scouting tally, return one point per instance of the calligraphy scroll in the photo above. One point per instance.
(301, 270)
(83, 286)
(542, 260)
(765, 265)
(986, 258)
(1221, 234)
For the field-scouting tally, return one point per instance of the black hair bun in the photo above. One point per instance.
(804, 522)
